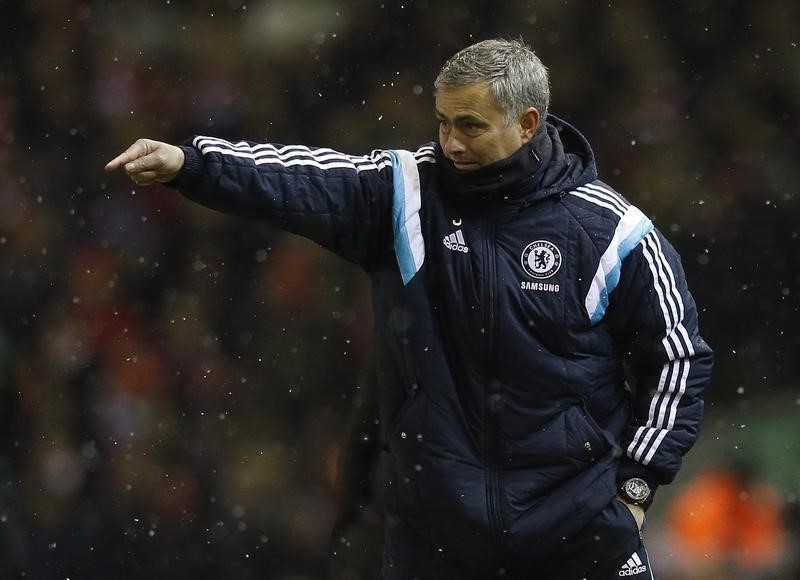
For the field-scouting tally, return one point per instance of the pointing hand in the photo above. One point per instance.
(147, 161)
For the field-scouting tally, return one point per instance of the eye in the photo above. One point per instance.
(472, 127)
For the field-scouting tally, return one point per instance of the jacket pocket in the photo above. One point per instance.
(586, 440)
(628, 515)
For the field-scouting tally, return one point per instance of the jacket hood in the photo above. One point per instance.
(555, 160)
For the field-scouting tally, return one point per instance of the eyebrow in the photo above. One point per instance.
(461, 118)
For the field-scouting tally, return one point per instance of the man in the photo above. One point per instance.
(512, 288)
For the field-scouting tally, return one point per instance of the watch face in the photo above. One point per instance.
(637, 489)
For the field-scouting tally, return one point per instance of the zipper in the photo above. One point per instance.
(492, 396)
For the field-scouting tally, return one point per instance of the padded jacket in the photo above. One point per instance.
(536, 340)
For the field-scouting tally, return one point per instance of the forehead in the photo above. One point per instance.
(474, 98)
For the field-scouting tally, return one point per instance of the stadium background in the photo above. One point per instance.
(177, 384)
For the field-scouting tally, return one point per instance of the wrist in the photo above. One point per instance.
(629, 469)
(191, 169)
(635, 491)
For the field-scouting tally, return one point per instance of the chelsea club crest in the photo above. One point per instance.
(541, 259)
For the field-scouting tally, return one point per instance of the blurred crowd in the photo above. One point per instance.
(178, 387)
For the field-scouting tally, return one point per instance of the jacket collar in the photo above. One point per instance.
(555, 160)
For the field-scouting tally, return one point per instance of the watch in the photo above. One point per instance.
(636, 491)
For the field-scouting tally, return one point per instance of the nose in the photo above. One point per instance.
(452, 145)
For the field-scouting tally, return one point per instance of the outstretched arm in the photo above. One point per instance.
(148, 161)
(363, 207)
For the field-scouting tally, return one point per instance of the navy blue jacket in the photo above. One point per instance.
(536, 339)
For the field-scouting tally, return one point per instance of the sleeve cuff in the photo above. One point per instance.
(191, 171)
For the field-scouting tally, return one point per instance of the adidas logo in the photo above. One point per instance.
(456, 242)
(632, 567)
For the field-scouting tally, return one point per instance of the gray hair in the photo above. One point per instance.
(516, 76)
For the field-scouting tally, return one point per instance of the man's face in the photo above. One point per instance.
(473, 130)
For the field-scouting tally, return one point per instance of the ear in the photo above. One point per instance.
(528, 123)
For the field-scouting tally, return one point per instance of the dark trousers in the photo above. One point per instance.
(609, 548)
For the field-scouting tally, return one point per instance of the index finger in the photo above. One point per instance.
(133, 152)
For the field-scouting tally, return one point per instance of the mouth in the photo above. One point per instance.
(464, 165)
